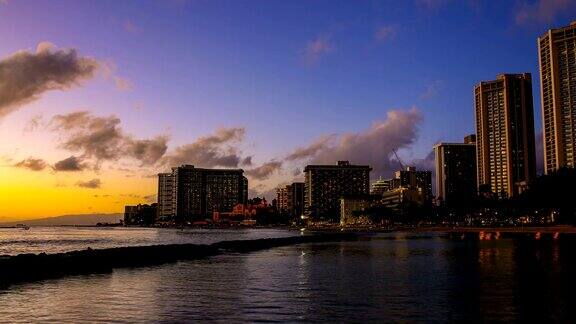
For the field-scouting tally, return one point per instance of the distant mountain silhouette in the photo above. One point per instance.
(82, 219)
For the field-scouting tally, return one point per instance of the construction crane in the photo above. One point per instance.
(398, 158)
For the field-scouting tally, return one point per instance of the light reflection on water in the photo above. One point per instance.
(64, 239)
(425, 279)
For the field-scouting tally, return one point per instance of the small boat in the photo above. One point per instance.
(22, 226)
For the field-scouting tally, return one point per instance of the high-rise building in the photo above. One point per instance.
(197, 193)
(282, 199)
(324, 185)
(456, 172)
(290, 199)
(296, 199)
(557, 57)
(505, 153)
(166, 210)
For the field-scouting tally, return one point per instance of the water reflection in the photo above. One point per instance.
(387, 278)
(64, 239)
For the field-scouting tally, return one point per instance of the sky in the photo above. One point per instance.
(97, 97)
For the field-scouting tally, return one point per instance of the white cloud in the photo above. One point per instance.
(317, 48)
(373, 146)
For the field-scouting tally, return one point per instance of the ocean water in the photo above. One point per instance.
(382, 278)
(64, 239)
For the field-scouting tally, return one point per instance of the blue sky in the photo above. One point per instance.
(288, 72)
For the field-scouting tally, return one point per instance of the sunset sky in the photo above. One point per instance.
(96, 97)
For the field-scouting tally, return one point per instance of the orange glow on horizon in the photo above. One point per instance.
(28, 195)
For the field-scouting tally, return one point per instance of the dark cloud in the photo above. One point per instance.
(71, 163)
(265, 170)
(312, 149)
(373, 147)
(148, 151)
(95, 137)
(32, 164)
(90, 184)
(102, 138)
(25, 75)
(130, 195)
(210, 151)
(247, 161)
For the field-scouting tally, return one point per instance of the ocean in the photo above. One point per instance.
(391, 277)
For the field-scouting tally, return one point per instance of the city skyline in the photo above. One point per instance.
(115, 114)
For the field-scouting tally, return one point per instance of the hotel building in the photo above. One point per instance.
(456, 172)
(166, 210)
(324, 185)
(557, 58)
(198, 193)
(505, 152)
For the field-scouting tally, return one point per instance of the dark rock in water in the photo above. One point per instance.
(30, 267)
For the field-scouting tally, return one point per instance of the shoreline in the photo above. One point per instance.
(34, 267)
(562, 229)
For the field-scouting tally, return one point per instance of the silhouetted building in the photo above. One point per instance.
(557, 57)
(400, 197)
(198, 193)
(505, 152)
(296, 200)
(326, 184)
(290, 200)
(411, 178)
(140, 214)
(455, 173)
(408, 186)
(166, 210)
